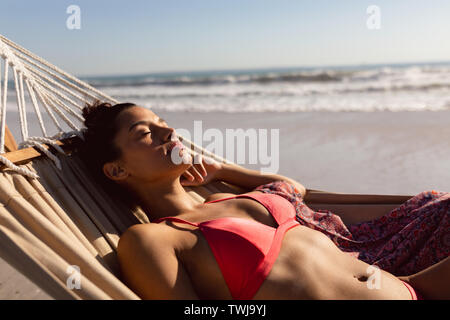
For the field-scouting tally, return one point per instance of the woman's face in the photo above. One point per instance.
(145, 142)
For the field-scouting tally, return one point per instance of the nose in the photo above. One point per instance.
(170, 134)
(174, 136)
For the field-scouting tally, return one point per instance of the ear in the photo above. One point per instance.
(114, 171)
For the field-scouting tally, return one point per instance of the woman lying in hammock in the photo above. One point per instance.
(264, 244)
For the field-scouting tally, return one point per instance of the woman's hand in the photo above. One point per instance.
(203, 170)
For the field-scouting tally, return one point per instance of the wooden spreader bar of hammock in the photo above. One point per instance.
(10, 143)
(25, 155)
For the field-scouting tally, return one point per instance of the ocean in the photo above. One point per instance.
(390, 87)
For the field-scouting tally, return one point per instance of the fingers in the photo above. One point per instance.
(188, 176)
(192, 177)
(197, 175)
(187, 183)
(198, 164)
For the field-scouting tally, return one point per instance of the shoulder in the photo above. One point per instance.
(140, 229)
(143, 234)
(150, 266)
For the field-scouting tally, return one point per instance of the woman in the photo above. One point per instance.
(250, 246)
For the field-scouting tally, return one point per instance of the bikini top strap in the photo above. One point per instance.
(176, 220)
(218, 200)
(234, 197)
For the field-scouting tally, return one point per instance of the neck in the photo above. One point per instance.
(165, 198)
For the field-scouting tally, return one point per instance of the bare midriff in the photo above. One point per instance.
(309, 264)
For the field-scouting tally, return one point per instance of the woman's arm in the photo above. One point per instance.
(250, 179)
(355, 213)
(149, 265)
(203, 171)
(432, 282)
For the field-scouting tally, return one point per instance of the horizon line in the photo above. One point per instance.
(211, 70)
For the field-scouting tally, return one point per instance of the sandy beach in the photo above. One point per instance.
(356, 152)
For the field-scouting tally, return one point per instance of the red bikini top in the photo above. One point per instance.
(245, 250)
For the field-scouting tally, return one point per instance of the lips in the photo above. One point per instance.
(174, 144)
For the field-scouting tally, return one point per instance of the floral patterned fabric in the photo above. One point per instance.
(408, 239)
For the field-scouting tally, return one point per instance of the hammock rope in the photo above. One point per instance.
(57, 92)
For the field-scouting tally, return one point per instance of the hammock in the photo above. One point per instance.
(53, 215)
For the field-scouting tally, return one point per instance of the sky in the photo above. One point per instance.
(145, 36)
